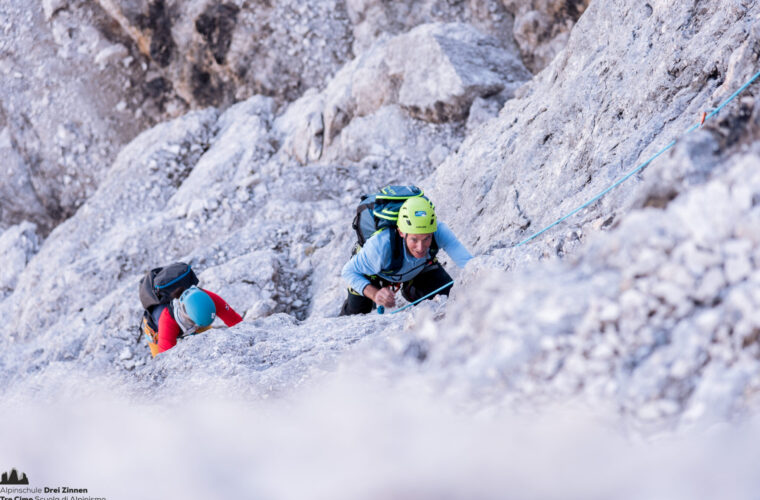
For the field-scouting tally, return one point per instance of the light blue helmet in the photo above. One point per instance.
(197, 306)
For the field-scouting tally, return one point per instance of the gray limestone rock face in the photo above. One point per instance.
(81, 79)
(18, 244)
(155, 59)
(572, 132)
(19, 195)
(542, 27)
(116, 230)
(664, 297)
(372, 19)
(434, 73)
(217, 53)
(448, 68)
(481, 111)
(390, 133)
(62, 118)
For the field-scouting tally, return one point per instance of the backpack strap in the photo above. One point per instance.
(150, 318)
(433, 249)
(397, 253)
(368, 204)
(148, 327)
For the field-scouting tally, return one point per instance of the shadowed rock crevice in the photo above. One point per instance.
(34, 198)
(572, 9)
(735, 126)
(542, 28)
(203, 87)
(158, 87)
(159, 21)
(216, 25)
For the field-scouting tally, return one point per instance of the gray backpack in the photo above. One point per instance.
(157, 288)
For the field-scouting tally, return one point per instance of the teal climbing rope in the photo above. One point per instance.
(640, 167)
(450, 283)
(672, 143)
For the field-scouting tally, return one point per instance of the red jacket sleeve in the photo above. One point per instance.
(224, 311)
(168, 331)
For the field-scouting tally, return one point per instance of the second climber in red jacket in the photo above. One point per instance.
(193, 312)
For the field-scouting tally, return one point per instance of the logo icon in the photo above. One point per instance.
(420, 213)
(13, 478)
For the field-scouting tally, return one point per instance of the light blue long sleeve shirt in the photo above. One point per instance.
(375, 255)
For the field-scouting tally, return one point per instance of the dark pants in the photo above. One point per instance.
(414, 289)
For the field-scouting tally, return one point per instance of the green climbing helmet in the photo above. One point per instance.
(197, 306)
(417, 216)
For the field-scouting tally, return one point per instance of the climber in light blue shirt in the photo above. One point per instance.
(403, 257)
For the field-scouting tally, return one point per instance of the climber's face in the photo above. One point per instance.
(417, 244)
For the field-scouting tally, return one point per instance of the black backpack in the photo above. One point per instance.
(379, 211)
(156, 290)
